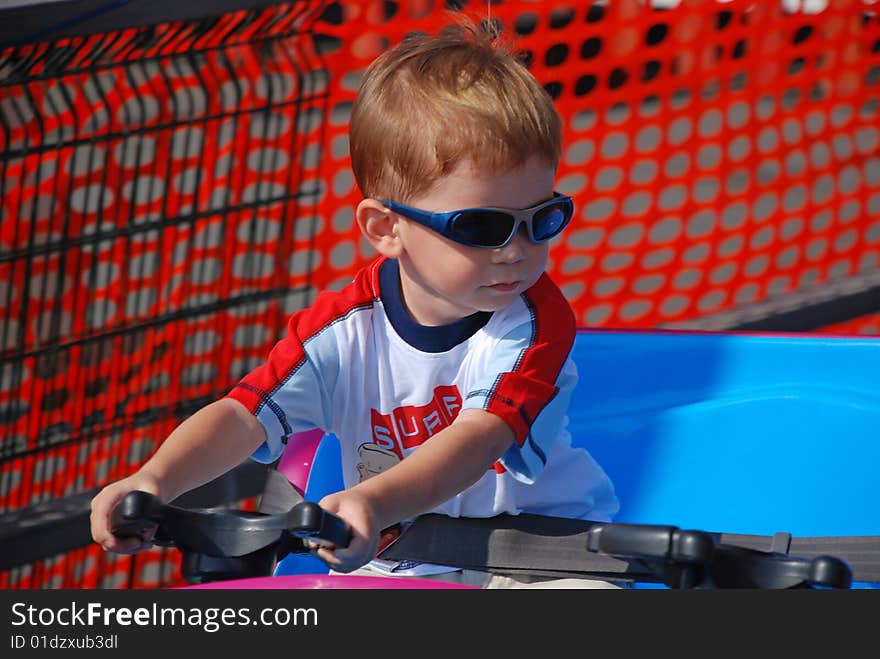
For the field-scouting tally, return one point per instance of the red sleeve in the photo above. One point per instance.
(289, 353)
(521, 394)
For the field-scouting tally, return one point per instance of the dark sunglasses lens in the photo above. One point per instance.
(483, 228)
(550, 220)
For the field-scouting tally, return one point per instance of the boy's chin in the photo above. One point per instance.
(500, 301)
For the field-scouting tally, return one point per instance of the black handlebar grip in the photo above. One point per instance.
(830, 572)
(137, 515)
(314, 523)
(651, 542)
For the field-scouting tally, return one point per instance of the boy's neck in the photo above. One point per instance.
(435, 338)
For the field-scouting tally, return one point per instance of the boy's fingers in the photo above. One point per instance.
(103, 536)
(327, 556)
(123, 545)
(333, 560)
(99, 519)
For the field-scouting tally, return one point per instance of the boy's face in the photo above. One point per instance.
(444, 281)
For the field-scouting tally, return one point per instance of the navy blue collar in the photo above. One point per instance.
(422, 337)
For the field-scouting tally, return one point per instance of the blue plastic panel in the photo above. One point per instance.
(741, 433)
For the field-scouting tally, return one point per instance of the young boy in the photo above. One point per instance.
(444, 366)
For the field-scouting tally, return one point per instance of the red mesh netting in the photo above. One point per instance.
(719, 154)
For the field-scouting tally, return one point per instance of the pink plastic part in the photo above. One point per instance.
(296, 461)
(330, 582)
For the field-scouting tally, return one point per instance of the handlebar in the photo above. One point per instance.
(693, 559)
(227, 544)
(224, 544)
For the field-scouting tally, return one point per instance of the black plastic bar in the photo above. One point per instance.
(29, 22)
(55, 527)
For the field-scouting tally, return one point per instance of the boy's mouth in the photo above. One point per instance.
(505, 287)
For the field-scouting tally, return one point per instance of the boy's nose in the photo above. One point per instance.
(513, 251)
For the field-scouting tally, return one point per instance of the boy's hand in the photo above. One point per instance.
(357, 511)
(102, 506)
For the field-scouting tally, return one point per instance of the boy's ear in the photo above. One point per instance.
(379, 227)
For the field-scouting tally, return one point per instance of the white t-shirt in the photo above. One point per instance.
(356, 365)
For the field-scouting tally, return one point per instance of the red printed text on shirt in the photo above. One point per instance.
(409, 426)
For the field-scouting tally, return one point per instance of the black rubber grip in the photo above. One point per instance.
(137, 515)
(651, 542)
(314, 523)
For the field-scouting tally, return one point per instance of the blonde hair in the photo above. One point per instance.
(432, 102)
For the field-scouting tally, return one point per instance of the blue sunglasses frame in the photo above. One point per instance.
(443, 222)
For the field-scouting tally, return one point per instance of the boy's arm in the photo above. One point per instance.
(204, 446)
(446, 464)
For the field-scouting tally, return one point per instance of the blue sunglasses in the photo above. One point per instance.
(491, 228)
